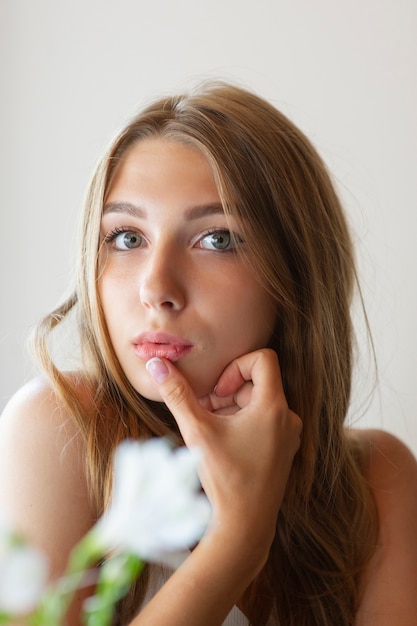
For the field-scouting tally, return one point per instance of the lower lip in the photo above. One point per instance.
(146, 351)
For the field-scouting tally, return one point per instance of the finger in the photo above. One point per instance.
(230, 381)
(261, 367)
(215, 403)
(220, 406)
(231, 409)
(176, 393)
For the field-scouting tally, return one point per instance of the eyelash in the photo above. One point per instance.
(235, 238)
(119, 230)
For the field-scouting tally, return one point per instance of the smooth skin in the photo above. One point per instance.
(225, 394)
(169, 264)
(45, 490)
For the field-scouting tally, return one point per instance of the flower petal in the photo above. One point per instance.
(157, 503)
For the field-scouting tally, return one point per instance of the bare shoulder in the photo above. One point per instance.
(36, 420)
(35, 416)
(391, 471)
(389, 584)
(390, 465)
(38, 396)
(43, 485)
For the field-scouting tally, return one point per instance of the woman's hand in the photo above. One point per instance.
(248, 437)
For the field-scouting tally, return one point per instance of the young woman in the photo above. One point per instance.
(212, 302)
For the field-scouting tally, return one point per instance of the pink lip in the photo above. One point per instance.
(151, 344)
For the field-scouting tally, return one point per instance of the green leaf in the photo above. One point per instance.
(56, 601)
(116, 577)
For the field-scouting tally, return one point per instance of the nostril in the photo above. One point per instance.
(167, 304)
(162, 292)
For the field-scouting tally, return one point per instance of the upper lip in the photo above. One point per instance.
(161, 338)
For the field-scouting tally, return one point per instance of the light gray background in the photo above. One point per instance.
(344, 71)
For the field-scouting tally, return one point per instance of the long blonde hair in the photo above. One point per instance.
(268, 174)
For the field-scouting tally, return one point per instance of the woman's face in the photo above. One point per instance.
(171, 282)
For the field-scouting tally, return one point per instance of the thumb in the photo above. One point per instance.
(175, 391)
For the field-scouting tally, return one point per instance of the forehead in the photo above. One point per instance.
(162, 158)
(155, 173)
(161, 165)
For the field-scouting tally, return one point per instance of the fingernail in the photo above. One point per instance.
(157, 369)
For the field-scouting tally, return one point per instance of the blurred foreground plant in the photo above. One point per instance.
(157, 512)
(23, 573)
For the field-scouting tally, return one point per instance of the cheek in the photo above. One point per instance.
(247, 322)
(112, 313)
(105, 300)
(112, 294)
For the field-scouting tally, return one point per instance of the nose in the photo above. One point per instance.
(162, 285)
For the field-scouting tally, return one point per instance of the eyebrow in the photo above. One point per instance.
(192, 213)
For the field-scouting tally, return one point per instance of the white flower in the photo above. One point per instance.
(23, 573)
(157, 506)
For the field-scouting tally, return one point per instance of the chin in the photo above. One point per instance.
(149, 391)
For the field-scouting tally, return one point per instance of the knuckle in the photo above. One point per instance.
(297, 428)
(268, 355)
(289, 425)
(296, 421)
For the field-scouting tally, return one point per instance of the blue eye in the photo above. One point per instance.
(218, 240)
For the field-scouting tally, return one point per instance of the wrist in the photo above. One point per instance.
(243, 549)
